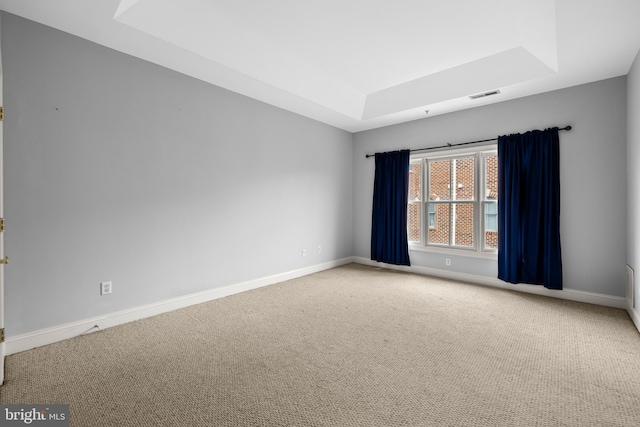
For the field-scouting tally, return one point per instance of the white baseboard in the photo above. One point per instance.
(568, 294)
(19, 343)
(635, 316)
(30, 340)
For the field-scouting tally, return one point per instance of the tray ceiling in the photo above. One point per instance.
(362, 64)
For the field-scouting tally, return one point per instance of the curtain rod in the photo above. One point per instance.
(461, 143)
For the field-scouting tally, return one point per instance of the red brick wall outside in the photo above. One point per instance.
(491, 178)
(491, 240)
(414, 222)
(415, 194)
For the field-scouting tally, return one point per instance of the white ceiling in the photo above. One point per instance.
(362, 64)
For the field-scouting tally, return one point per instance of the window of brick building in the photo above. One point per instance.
(455, 194)
(490, 201)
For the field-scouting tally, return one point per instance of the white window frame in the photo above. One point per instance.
(479, 153)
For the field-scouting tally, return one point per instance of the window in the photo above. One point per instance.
(457, 193)
(432, 215)
(491, 217)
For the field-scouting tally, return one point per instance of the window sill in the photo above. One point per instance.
(457, 252)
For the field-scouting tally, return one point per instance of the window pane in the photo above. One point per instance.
(415, 187)
(462, 224)
(491, 226)
(491, 217)
(464, 181)
(440, 180)
(439, 233)
(432, 215)
(413, 230)
(491, 240)
(491, 177)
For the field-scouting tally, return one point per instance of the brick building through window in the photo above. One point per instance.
(455, 197)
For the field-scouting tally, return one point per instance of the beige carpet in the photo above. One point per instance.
(352, 346)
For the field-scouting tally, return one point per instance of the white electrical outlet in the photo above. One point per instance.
(447, 261)
(106, 288)
(304, 252)
(319, 249)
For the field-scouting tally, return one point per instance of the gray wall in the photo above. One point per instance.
(593, 175)
(118, 169)
(633, 173)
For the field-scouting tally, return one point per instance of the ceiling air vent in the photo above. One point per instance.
(482, 95)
